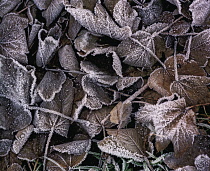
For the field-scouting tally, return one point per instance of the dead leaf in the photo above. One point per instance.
(179, 28)
(193, 89)
(99, 22)
(172, 122)
(8, 5)
(5, 145)
(50, 84)
(126, 82)
(12, 37)
(126, 143)
(16, 167)
(200, 12)
(202, 162)
(42, 5)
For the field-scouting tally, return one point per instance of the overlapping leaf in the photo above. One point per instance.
(172, 122)
(7, 5)
(99, 22)
(12, 37)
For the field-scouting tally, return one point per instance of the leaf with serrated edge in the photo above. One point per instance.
(61, 103)
(50, 84)
(123, 14)
(193, 88)
(99, 22)
(12, 37)
(74, 147)
(21, 138)
(124, 143)
(172, 122)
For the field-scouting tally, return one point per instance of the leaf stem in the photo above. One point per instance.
(137, 93)
(175, 62)
(187, 56)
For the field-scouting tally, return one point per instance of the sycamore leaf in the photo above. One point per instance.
(200, 12)
(46, 49)
(60, 162)
(99, 22)
(123, 14)
(151, 12)
(193, 88)
(76, 147)
(12, 37)
(68, 59)
(202, 162)
(34, 147)
(199, 49)
(61, 103)
(21, 138)
(172, 122)
(200, 146)
(126, 143)
(50, 84)
(52, 11)
(16, 81)
(5, 145)
(42, 5)
(7, 5)
(126, 82)
(13, 116)
(135, 54)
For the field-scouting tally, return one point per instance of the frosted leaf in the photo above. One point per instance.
(74, 147)
(110, 4)
(126, 82)
(116, 64)
(7, 5)
(200, 12)
(43, 4)
(5, 145)
(33, 33)
(125, 143)
(53, 11)
(92, 102)
(21, 138)
(16, 167)
(179, 28)
(34, 147)
(46, 49)
(185, 67)
(13, 116)
(172, 122)
(151, 13)
(193, 89)
(68, 59)
(98, 119)
(186, 168)
(178, 5)
(120, 114)
(57, 160)
(50, 84)
(12, 37)
(156, 27)
(61, 103)
(86, 44)
(136, 55)
(16, 82)
(123, 14)
(99, 22)
(73, 28)
(89, 68)
(200, 147)
(199, 49)
(202, 162)
(160, 81)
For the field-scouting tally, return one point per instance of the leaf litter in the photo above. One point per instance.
(131, 75)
